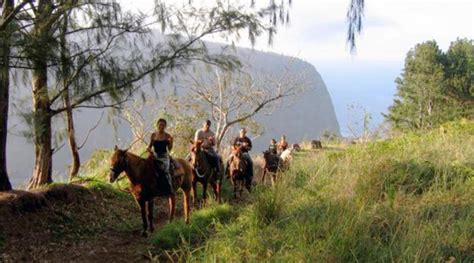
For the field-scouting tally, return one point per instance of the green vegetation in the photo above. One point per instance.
(203, 222)
(435, 86)
(407, 199)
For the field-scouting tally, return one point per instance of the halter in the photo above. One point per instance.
(123, 160)
(197, 169)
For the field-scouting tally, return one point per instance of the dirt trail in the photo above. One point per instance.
(72, 223)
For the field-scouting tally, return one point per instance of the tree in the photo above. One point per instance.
(460, 71)
(359, 122)
(419, 98)
(5, 35)
(237, 97)
(434, 87)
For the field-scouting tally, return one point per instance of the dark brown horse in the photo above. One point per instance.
(272, 163)
(238, 172)
(204, 173)
(144, 184)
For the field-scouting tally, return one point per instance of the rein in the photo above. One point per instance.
(207, 170)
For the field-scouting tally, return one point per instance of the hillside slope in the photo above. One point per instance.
(409, 199)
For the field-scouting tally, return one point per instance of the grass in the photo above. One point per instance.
(202, 223)
(408, 199)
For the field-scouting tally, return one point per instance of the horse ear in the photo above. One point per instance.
(115, 148)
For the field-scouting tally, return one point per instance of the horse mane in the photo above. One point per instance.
(135, 157)
(207, 155)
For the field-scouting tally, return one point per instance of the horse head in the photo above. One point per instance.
(238, 164)
(118, 163)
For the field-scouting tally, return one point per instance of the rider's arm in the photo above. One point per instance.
(150, 144)
(196, 135)
(250, 144)
(170, 139)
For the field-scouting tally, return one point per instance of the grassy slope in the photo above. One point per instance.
(407, 199)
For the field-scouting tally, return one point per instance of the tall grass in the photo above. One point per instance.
(408, 199)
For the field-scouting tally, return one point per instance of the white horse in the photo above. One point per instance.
(287, 156)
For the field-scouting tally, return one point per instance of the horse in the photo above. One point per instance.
(144, 185)
(238, 172)
(287, 156)
(204, 173)
(272, 163)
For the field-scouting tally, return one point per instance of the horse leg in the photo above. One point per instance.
(242, 187)
(263, 176)
(143, 211)
(150, 204)
(274, 175)
(204, 192)
(248, 185)
(194, 193)
(235, 183)
(172, 205)
(214, 189)
(186, 205)
(218, 191)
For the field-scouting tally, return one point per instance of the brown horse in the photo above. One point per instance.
(272, 163)
(238, 172)
(204, 173)
(144, 184)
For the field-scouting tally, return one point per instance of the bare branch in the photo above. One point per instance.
(90, 131)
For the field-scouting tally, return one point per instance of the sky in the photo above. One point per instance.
(317, 34)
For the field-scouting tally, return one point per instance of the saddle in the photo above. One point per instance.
(174, 167)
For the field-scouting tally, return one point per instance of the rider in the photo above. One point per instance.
(246, 144)
(208, 141)
(273, 146)
(162, 143)
(283, 145)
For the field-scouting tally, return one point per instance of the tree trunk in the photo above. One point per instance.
(76, 161)
(5, 184)
(41, 127)
(65, 68)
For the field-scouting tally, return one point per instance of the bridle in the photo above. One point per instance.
(196, 163)
(120, 166)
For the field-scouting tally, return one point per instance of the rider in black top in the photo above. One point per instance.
(162, 143)
(243, 140)
(246, 143)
